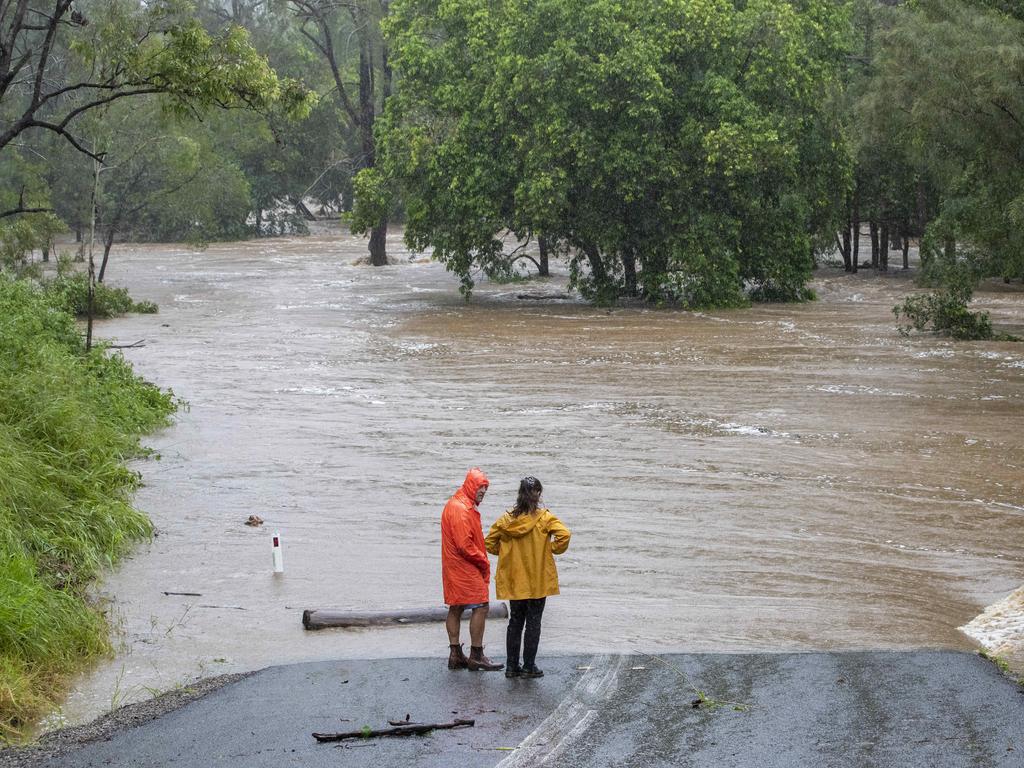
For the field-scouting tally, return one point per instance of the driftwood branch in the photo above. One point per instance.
(401, 730)
(324, 618)
(543, 296)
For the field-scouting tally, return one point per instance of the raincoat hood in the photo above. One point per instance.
(475, 478)
(519, 525)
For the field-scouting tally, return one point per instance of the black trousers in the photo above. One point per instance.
(523, 613)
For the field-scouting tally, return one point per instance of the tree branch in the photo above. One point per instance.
(59, 129)
(16, 211)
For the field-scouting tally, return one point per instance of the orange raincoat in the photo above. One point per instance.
(465, 569)
(524, 545)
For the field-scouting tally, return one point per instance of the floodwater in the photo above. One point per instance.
(779, 478)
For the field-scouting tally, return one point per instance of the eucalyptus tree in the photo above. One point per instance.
(680, 149)
(346, 35)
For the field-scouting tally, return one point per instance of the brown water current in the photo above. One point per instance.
(779, 478)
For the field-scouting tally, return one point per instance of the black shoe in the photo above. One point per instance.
(513, 670)
(531, 672)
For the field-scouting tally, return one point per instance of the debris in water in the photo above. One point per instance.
(402, 730)
(255, 521)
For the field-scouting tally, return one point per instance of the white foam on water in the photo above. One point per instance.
(746, 429)
(1000, 627)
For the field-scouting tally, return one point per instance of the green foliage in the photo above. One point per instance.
(952, 68)
(944, 310)
(689, 142)
(71, 294)
(68, 421)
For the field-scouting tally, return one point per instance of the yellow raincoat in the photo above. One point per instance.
(524, 546)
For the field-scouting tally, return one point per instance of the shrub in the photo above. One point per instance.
(71, 291)
(945, 312)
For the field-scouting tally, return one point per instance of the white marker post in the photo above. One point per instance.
(278, 554)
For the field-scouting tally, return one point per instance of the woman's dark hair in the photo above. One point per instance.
(529, 494)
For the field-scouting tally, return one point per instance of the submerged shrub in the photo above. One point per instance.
(71, 291)
(945, 312)
(69, 419)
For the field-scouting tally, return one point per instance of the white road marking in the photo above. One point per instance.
(571, 718)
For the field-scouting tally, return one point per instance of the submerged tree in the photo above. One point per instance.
(680, 150)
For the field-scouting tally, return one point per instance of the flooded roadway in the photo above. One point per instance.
(780, 478)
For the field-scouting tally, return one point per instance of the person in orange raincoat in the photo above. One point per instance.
(525, 539)
(466, 572)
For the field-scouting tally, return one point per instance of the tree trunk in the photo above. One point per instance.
(628, 257)
(378, 247)
(367, 115)
(542, 242)
(108, 241)
(597, 269)
(883, 247)
(855, 260)
(922, 208)
(873, 228)
(906, 251)
(846, 236)
(91, 308)
(950, 249)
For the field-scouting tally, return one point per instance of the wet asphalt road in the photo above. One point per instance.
(929, 708)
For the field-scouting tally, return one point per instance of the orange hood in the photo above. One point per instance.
(475, 478)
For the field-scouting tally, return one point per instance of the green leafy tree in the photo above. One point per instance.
(58, 63)
(682, 150)
(953, 69)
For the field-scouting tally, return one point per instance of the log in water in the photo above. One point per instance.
(330, 617)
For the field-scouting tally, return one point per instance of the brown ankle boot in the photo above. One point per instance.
(456, 658)
(477, 662)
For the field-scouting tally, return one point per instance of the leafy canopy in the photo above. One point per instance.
(689, 138)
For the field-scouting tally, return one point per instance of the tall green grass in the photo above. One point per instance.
(69, 419)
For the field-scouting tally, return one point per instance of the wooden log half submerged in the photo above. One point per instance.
(324, 618)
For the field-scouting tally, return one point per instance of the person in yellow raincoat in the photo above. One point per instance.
(525, 539)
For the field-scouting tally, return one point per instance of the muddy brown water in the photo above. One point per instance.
(778, 478)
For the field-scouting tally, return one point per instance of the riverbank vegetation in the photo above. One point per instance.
(689, 152)
(69, 419)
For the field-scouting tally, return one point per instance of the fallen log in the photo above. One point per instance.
(544, 296)
(401, 730)
(323, 618)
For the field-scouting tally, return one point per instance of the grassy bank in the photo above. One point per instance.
(68, 421)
